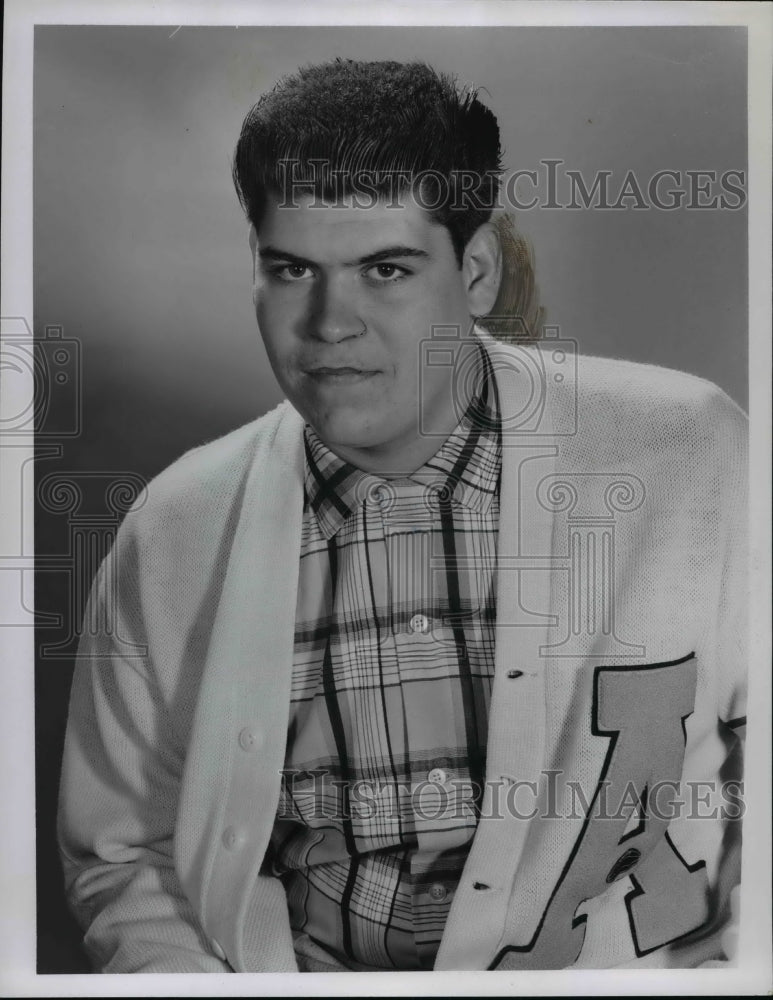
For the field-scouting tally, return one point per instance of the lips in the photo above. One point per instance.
(340, 372)
(344, 370)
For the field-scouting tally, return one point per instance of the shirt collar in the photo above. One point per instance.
(465, 469)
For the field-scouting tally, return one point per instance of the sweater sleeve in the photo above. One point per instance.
(728, 629)
(732, 621)
(120, 785)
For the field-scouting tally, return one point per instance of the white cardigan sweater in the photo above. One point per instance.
(619, 650)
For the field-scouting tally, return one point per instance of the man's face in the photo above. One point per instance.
(344, 295)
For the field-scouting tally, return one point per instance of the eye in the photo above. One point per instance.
(290, 272)
(385, 272)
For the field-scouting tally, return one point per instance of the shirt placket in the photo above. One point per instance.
(423, 645)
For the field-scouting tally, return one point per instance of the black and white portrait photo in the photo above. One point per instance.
(384, 449)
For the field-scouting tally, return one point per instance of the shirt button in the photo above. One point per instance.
(232, 838)
(437, 776)
(419, 623)
(437, 892)
(249, 739)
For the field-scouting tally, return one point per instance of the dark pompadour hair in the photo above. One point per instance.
(384, 125)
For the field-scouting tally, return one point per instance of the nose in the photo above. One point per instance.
(334, 314)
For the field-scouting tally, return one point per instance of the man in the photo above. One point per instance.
(439, 664)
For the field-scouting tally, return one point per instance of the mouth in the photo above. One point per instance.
(343, 373)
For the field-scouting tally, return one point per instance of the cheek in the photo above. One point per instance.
(412, 318)
(276, 322)
(267, 309)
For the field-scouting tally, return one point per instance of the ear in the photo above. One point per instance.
(253, 240)
(482, 269)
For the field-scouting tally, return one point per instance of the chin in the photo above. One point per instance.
(349, 430)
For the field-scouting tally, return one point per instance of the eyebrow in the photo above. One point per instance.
(388, 253)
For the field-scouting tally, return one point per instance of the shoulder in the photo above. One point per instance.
(204, 483)
(555, 361)
(630, 397)
(609, 410)
(173, 548)
(645, 402)
(680, 434)
(642, 385)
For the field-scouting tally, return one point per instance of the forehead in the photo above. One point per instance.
(328, 230)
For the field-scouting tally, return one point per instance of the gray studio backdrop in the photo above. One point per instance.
(141, 257)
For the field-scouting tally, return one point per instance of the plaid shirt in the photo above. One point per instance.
(392, 672)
